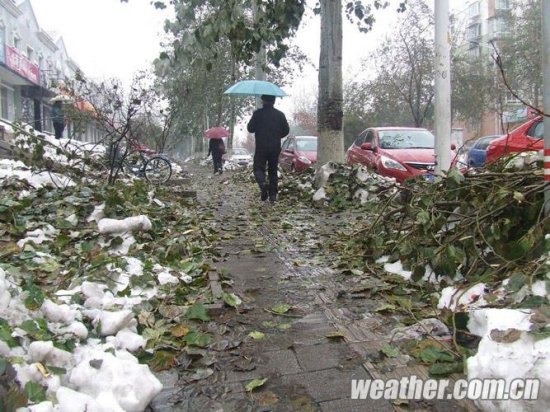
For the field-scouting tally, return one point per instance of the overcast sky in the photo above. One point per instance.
(108, 38)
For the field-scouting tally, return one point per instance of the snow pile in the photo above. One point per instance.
(105, 374)
(39, 235)
(100, 374)
(508, 352)
(130, 224)
(18, 169)
(123, 229)
(463, 299)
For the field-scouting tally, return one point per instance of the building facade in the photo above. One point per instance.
(479, 24)
(33, 65)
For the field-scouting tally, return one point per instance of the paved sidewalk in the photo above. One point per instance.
(306, 369)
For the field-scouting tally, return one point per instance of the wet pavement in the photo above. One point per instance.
(269, 255)
(268, 258)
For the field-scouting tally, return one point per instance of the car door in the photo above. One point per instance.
(287, 153)
(354, 152)
(368, 157)
(535, 136)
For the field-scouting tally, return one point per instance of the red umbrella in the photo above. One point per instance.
(216, 133)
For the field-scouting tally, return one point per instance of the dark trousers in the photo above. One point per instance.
(58, 128)
(272, 160)
(217, 160)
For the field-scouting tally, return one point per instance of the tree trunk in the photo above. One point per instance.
(260, 60)
(232, 120)
(330, 114)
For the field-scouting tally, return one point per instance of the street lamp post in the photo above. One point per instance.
(442, 87)
(546, 99)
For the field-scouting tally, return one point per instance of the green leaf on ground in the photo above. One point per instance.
(444, 369)
(231, 299)
(390, 351)
(162, 360)
(256, 335)
(284, 326)
(281, 308)
(34, 298)
(386, 307)
(255, 383)
(197, 339)
(197, 312)
(433, 355)
(35, 392)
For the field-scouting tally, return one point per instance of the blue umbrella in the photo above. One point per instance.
(255, 88)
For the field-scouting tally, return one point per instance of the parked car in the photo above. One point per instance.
(478, 152)
(298, 153)
(398, 152)
(527, 137)
(461, 158)
(239, 155)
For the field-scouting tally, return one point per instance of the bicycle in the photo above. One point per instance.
(156, 168)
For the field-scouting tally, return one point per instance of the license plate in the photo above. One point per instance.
(429, 177)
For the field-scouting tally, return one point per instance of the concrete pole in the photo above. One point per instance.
(442, 87)
(546, 99)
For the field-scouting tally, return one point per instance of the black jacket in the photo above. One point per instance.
(270, 126)
(216, 147)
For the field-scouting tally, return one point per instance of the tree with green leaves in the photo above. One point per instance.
(520, 49)
(200, 25)
(401, 91)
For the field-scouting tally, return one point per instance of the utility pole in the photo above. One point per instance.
(442, 87)
(546, 99)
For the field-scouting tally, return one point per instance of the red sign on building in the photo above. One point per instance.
(21, 65)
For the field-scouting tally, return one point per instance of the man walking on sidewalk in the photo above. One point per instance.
(269, 126)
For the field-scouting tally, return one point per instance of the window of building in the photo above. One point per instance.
(502, 5)
(475, 51)
(473, 9)
(474, 32)
(30, 53)
(6, 103)
(47, 124)
(499, 26)
(16, 40)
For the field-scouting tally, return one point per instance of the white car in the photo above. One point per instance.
(240, 156)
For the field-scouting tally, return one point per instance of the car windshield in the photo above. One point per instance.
(240, 152)
(406, 139)
(306, 145)
(483, 142)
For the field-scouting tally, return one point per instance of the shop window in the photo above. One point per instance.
(47, 119)
(6, 103)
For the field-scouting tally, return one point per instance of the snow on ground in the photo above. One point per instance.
(101, 374)
(37, 180)
(506, 351)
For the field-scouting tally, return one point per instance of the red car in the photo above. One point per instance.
(529, 136)
(298, 153)
(398, 152)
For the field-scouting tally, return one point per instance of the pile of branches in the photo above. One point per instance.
(483, 226)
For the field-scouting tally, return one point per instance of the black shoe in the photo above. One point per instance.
(264, 194)
(273, 199)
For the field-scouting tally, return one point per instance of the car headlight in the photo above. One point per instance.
(391, 164)
(304, 160)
